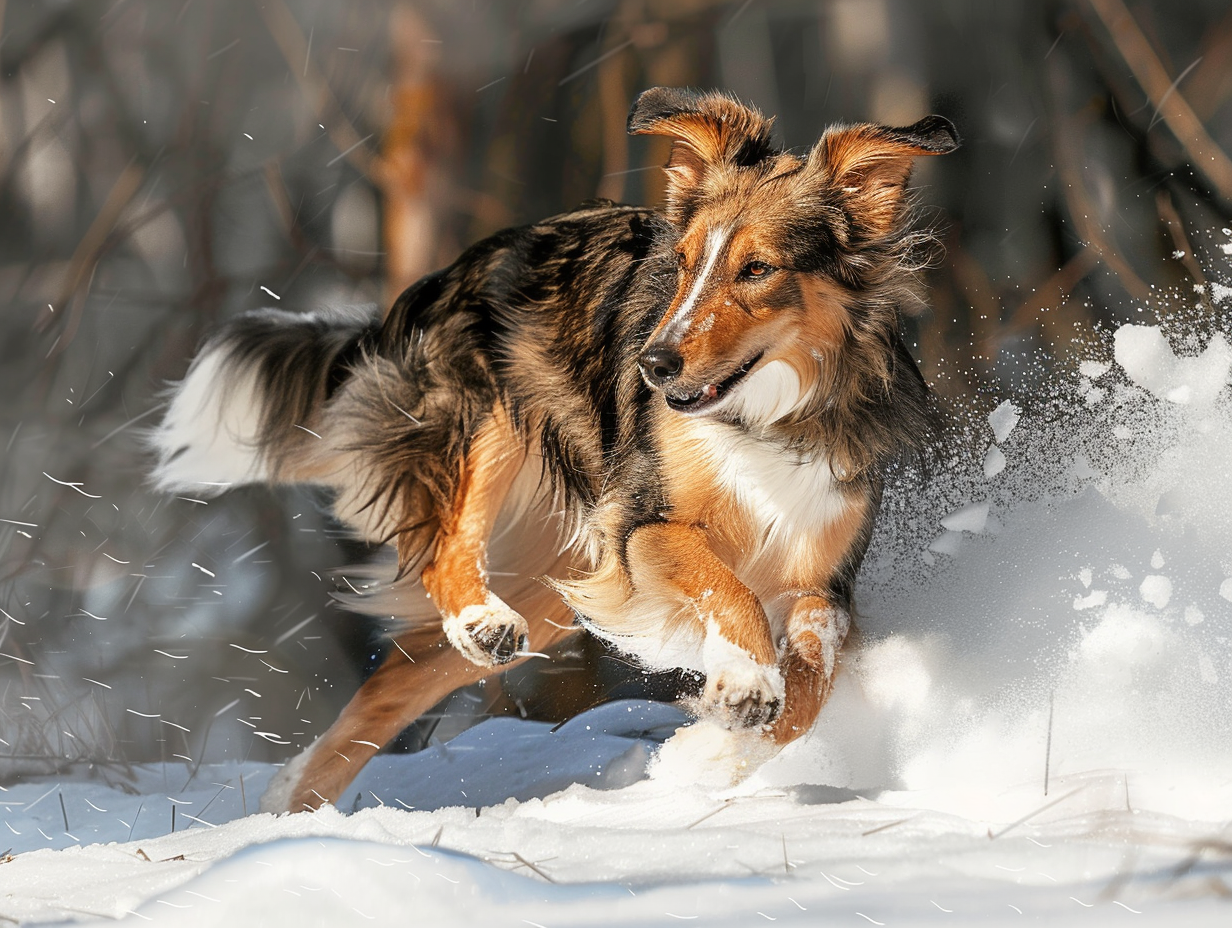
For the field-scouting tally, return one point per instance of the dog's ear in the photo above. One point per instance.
(869, 165)
(708, 131)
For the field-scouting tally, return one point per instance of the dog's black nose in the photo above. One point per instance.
(660, 364)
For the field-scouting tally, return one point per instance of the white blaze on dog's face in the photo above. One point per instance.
(768, 250)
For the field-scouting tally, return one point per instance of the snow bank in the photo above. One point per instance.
(647, 853)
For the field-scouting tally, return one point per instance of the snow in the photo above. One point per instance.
(994, 461)
(970, 518)
(1156, 589)
(1145, 355)
(528, 848)
(1033, 724)
(1003, 419)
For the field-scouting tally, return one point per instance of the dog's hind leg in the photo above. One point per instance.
(475, 620)
(411, 681)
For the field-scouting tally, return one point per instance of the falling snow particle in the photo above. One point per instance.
(1156, 590)
(1094, 369)
(994, 461)
(73, 485)
(1003, 419)
(1092, 600)
(970, 518)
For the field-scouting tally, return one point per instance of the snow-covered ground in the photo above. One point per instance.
(1035, 726)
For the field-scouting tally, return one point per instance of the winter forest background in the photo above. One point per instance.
(165, 164)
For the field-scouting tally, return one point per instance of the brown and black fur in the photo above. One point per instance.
(567, 400)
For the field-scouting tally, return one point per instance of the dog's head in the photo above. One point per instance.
(777, 254)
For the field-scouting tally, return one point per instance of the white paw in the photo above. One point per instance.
(488, 635)
(748, 697)
(740, 692)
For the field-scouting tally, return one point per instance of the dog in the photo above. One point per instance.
(682, 417)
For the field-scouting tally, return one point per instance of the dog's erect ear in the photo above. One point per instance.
(870, 165)
(708, 131)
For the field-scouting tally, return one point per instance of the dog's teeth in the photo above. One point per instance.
(711, 390)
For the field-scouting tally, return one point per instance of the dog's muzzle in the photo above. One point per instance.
(661, 367)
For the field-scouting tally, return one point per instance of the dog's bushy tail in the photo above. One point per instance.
(251, 399)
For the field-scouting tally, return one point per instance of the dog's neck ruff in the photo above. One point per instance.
(768, 395)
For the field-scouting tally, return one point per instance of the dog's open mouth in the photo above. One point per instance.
(711, 393)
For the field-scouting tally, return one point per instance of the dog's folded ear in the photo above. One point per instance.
(868, 166)
(709, 131)
(932, 135)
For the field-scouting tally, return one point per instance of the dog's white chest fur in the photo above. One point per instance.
(787, 496)
(788, 500)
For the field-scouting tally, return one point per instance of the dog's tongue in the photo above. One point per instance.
(710, 391)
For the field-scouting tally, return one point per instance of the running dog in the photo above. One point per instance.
(681, 416)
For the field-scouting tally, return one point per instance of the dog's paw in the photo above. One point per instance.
(488, 635)
(739, 692)
(749, 696)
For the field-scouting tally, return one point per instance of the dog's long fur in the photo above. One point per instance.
(682, 417)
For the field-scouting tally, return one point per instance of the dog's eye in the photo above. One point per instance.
(755, 270)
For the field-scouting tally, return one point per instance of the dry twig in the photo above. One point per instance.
(1204, 153)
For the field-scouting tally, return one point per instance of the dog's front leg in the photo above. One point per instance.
(816, 630)
(475, 620)
(744, 687)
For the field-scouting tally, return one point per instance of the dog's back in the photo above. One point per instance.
(535, 319)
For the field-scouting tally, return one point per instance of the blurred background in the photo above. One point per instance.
(165, 164)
